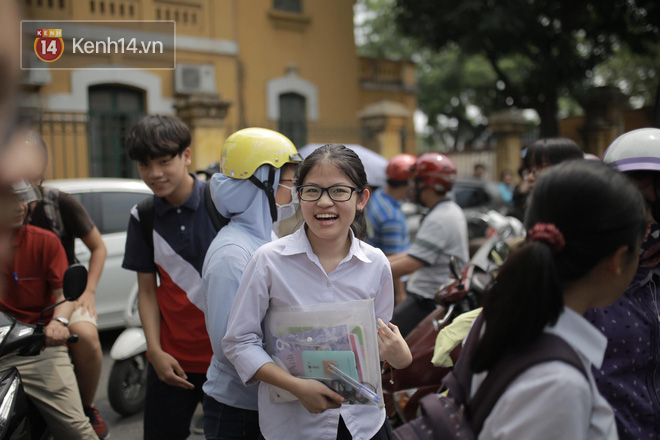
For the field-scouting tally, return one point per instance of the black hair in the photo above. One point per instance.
(597, 210)
(551, 151)
(349, 163)
(156, 136)
(396, 183)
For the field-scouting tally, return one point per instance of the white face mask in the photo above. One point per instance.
(288, 210)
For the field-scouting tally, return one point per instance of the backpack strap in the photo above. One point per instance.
(50, 199)
(146, 213)
(547, 348)
(218, 220)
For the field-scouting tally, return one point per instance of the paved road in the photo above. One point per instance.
(121, 428)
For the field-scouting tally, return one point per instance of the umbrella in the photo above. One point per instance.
(374, 163)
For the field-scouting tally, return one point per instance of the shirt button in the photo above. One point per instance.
(183, 228)
(178, 211)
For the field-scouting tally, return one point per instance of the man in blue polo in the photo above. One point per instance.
(386, 222)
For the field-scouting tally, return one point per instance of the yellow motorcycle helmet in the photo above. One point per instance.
(249, 148)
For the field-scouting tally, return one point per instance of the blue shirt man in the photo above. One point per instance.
(387, 228)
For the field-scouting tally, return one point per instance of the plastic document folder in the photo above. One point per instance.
(334, 343)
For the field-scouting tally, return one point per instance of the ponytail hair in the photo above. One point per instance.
(349, 163)
(580, 213)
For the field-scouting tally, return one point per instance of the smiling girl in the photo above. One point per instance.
(323, 262)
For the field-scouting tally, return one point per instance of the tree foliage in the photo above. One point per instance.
(539, 50)
(456, 90)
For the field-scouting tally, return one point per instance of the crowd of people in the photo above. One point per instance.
(587, 273)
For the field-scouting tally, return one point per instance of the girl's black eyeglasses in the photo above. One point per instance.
(337, 193)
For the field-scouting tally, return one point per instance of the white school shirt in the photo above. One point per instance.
(553, 400)
(286, 272)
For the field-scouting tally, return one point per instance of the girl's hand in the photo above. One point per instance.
(391, 345)
(316, 397)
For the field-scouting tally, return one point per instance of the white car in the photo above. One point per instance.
(108, 202)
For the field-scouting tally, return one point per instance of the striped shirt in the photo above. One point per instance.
(386, 222)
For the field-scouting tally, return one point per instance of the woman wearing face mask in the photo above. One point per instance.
(288, 217)
(630, 375)
(254, 190)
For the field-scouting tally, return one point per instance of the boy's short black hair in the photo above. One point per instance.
(157, 136)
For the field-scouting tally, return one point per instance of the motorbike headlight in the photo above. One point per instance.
(401, 399)
(7, 404)
(4, 331)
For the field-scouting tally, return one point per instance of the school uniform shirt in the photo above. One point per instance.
(181, 236)
(553, 400)
(285, 273)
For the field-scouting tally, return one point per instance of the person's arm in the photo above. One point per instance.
(56, 332)
(56, 264)
(392, 347)
(167, 368)
(399, 291)
(403, 264)
(94, 243)
(221, 273)
(313, 395)
(79, 224)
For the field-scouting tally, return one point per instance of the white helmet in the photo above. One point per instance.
(636, 150)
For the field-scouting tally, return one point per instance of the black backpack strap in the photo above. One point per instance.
(146, 213)
(546, 348)
(218, 220)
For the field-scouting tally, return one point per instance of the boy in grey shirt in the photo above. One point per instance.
(442, 233)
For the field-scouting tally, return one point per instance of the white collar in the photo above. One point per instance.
(581, 335)
(299, 244)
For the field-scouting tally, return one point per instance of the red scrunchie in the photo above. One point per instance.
(550, 234)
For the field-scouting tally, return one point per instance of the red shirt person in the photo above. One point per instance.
(33, 280)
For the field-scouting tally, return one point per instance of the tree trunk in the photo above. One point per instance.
(547, 111)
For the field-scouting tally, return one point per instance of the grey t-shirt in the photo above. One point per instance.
(443, 233)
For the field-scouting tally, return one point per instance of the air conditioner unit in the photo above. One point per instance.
(194, 78)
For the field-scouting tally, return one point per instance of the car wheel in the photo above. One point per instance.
(127, 385)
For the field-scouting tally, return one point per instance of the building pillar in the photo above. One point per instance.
(204, 114)
(603, 122)
(507, 127)
(382, 126)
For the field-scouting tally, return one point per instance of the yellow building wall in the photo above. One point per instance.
(319, 42)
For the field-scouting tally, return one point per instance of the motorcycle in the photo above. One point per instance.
(402, 389)
(19, 419)
(127, 384)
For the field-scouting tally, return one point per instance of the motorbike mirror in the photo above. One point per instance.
(453, 267)
(499, 253)
(75, 281)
